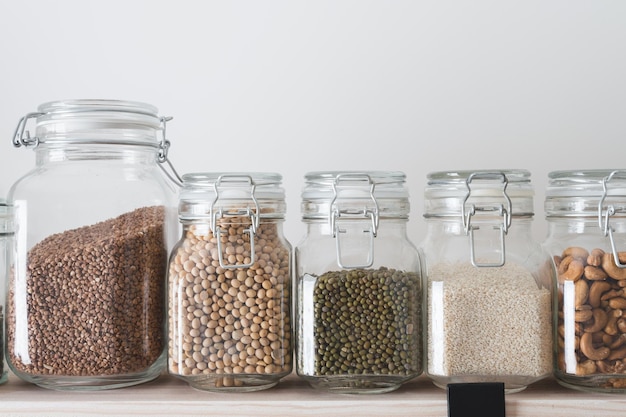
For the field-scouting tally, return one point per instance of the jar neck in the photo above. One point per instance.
(127, 154)
(397, 227)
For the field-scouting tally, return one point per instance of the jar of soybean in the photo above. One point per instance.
(7, 230)
(93, 228)
(230, 283)
(488, 283)
(358, 306)
(586, 213)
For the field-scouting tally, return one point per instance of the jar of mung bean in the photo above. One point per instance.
(7, 230)
(358, 284)
(488, 283)
(230, 284)
(586, 213)
(95, 219)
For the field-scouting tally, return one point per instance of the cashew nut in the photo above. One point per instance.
(618, 341)
(594, 273)
(611, 325)
(600, 319)
(571, 269)
(595, 257)
(586, 368)
(576, 252)
(581, 292)
(618, 354)
(598, 288)
(617, 303)
(612, 294)
(587, 348)
(583, 315)
(609, 266)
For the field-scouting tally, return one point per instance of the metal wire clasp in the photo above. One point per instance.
(254, 216)
(21, 137)
(163, 149)
(505, 212)
(337, 215)
(603, 218)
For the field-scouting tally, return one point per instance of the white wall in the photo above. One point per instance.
(294, 86)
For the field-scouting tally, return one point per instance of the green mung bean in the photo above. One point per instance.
(366, 321)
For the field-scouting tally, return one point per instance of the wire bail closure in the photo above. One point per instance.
(505, 212)
(337, 215)
(21, 137)
(254, 216)
(603, 219)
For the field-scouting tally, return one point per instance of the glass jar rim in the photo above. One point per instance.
(203, 194)
(351, 192)
(585, 193)
(446, 192)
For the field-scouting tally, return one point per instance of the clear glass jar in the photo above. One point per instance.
(86, 294)
(358, 284)
(586, 213)
(6, 254)
(229, 285)
(488, 298)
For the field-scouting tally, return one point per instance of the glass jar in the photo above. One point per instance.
(358, 284)
(86, 293)
(488, 298)
(229, 285)
(586, 213)
(6, 254)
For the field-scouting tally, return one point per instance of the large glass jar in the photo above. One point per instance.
(586, 213)
(6, 254)
(86, 292)
(358, 284)
(488, 298)
(230, 284)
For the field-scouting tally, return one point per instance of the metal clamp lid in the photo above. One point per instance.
(337, 215)
(604, 216)
(503, 211)
(22, 137)
(254, 216)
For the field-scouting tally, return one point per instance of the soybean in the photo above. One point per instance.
(238, 312)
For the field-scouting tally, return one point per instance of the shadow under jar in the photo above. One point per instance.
(488, 298)
(358, 284)
(587, 239)
(230, 284)
(86, 290)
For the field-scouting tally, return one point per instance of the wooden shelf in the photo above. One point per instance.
(168, 396)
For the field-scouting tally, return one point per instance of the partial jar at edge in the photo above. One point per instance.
(229, 284)
(93, 228)
(488, 298)
(6, 255)
(358, 306)
(587, 239)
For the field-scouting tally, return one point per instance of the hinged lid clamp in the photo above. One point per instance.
(21, 137)
(254, 216)
(164, 146)
(505, 212)
(603, 219)
(337, 215)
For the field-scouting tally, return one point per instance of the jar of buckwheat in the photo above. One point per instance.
(93, 226)
(586, 213)
(229, 284)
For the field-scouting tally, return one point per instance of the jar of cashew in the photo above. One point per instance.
(229, 283)
(586, 213)
(488, 297)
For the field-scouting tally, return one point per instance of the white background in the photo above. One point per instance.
(293, 86)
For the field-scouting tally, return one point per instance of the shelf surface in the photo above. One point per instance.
(168, 396)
